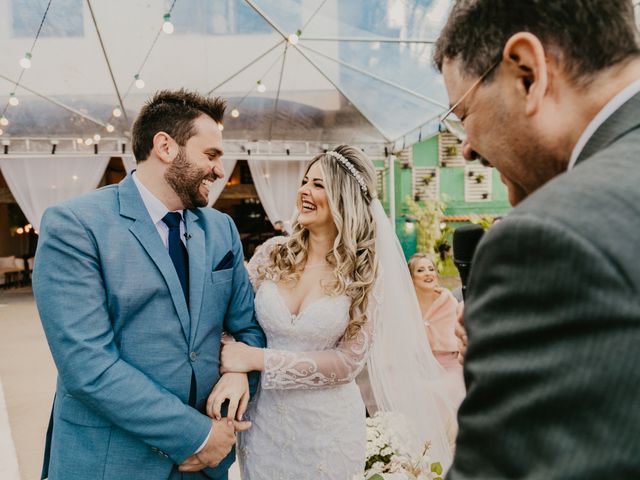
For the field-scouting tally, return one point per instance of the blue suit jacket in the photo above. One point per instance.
(123, 339)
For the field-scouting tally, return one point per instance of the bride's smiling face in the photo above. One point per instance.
(312, 200)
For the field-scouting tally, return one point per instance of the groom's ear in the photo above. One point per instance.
(165, 147)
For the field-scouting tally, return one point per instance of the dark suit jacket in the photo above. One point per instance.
(553, 319)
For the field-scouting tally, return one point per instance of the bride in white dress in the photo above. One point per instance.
(318, 295)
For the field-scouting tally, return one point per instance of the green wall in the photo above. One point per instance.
(425, 154)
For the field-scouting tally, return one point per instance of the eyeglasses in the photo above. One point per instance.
(454, 125)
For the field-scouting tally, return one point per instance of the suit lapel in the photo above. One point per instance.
(626, 118)
(132, 206)
(196, 247)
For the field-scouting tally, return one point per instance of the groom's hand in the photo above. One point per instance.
(218, 446)
(233, 387)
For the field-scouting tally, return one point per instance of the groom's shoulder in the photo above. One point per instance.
(94, 203)
(217, 220)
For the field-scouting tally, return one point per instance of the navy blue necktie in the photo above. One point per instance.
(177, 251)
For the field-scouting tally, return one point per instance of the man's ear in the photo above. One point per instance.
(164, 147)
(525, 59)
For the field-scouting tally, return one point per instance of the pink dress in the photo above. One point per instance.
(440, 322)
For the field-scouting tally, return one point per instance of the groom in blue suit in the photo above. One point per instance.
(135, 284)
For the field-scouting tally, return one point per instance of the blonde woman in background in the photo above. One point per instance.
(438, 307)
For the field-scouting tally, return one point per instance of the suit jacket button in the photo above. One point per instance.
(193, 356)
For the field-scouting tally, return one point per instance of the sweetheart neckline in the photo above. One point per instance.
(295, 316)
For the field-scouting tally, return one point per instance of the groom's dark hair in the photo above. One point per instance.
(172, 112)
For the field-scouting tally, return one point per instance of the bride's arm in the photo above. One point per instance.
(305, 370)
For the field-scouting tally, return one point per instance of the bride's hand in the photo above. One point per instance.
(233, 387)
(239, 357)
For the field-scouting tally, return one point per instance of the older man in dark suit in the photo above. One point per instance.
(548, 93)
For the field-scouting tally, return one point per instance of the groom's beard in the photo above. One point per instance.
(185, 179)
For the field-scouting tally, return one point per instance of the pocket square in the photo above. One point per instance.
(226, 262)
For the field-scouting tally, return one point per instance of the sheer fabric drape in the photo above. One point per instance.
(40, 182)
(277, 183)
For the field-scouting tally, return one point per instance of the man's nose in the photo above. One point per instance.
(218, 170)
(468, 152)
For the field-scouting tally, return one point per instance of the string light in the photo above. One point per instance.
(1, 131)
(110, 128)
(79, 140)
(167, 26)
(261, 87)
(117, 112)
(294, 37)
(139, 81)
(97, 137)
(13, 100)
(88, 141)
(4, 121)
(25, 62)
(235, 113)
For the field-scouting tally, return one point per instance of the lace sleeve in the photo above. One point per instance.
(285, 370)
(260, 257)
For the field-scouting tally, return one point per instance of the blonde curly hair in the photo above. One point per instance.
(353, 255)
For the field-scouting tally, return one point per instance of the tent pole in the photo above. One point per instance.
(392, 190)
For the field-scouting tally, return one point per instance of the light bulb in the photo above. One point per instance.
(110, 128)
(261, 87)
(20, 231)
(4, 121)
(293, 39)
(25, 62)
(75, 177)
(13, 100)
(235, 113)
(139, 81)
(97, 137)
(88, 141)
(79, 140)
(1, 131)
(117, 112)
(167, 26)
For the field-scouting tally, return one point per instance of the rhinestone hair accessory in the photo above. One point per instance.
(352, 170)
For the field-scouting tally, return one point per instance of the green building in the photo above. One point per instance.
(432, 169)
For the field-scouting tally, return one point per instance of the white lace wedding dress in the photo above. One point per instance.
(308, 416)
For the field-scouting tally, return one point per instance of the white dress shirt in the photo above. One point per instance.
(614, 104)
(157, 210)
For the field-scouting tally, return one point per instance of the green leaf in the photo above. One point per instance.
(436, 468)
(377, 476)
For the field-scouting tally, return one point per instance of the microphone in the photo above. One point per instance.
(465, 241)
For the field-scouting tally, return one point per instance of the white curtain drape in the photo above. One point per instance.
(277, 183)
(129, 162)
(216, 189)
(39, 182)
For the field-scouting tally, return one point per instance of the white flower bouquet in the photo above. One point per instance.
(389, 455)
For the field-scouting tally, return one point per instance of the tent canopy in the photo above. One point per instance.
(358, 71)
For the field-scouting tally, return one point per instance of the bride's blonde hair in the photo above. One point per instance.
(350, 191)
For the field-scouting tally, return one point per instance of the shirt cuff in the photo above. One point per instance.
(204, 443)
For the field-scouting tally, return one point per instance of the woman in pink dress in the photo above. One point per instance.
(438, 306)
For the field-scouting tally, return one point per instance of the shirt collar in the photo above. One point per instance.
(609, 109)
(157, 210)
